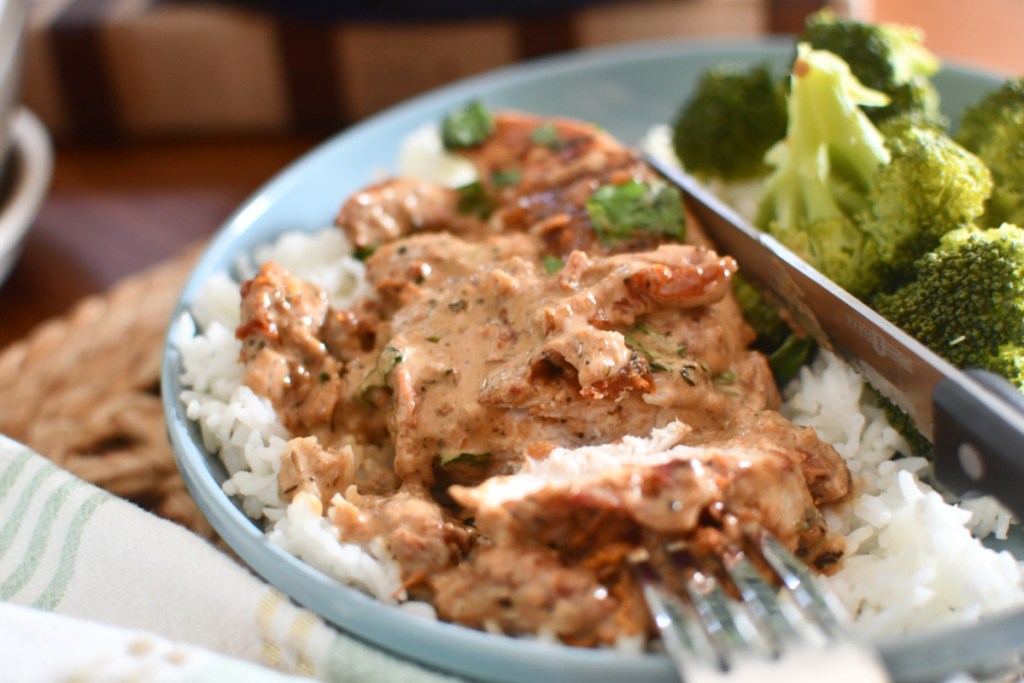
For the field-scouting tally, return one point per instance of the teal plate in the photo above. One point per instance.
(625, 90)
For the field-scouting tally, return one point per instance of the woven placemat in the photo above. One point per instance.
(84, 390)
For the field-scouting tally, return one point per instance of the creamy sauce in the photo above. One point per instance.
(428, 414)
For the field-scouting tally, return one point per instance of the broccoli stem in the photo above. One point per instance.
(819, 191)
(825, 109)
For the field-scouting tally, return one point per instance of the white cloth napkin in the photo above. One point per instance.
(93, 588)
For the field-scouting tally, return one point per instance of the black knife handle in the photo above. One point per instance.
(979, 438)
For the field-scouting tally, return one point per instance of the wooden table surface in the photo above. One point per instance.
(114, 210)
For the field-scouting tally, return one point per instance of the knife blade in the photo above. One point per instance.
(974, 418)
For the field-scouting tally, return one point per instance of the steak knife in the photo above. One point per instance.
(974, 418)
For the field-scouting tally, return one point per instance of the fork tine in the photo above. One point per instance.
(772, 618)
(728, 623)
(816, 603)
(769, 635)
(677, 621)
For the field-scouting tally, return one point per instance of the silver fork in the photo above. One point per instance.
(781, 626)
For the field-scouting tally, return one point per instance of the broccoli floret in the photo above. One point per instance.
(886, 57)
(978, 119)
(860, 204)
(966, 301)
(930, 186)
(733, 117)
(815, 199)
(993, 128)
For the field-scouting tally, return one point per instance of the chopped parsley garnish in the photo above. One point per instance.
(474, 200)
(363, 253)
(634, 343)
(552, 264)
(377, 378)
(506, 178)
(619, 212)
(546, 135)
(725, 378)
(467, 127)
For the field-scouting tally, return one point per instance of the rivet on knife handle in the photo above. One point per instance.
(979, 437)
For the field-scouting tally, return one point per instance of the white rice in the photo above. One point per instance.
(914, 560)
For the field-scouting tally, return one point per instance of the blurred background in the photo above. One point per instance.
(166, 114)
(110, 69)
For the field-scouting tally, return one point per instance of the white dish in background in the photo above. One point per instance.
(23, 190)
(13, 15)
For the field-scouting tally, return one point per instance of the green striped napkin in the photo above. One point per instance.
(95, 588)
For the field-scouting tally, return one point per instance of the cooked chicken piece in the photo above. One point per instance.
(398, 207)
(521, 591)
(403, 269)
(614, 293)
(279, 309)
(501, 357)
(285, 358)
(351, 333)
(422, 536)
(661, 490)
(307, 467)
(824, 470)
(559, 164)
(285, 329)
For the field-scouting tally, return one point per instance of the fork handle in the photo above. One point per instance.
(979, 438)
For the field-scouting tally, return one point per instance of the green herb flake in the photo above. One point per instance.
(363, 253)
(475, 200)
(467, 127)
(506, 178)
(469, 458)
(546, 135)
(433, 339)
(725, 378)
(619, 212)
(636, 344)
(552, 264)
(324, 377)
(686, 374)
(376, 378)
